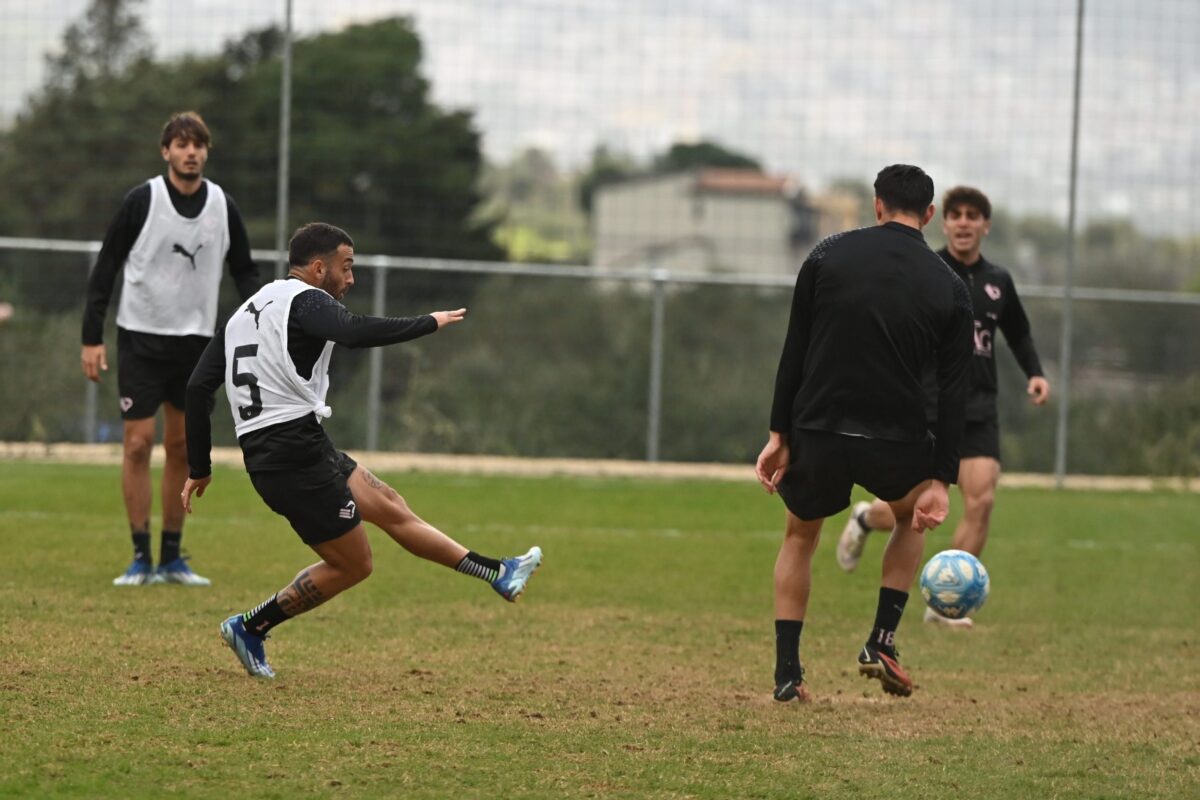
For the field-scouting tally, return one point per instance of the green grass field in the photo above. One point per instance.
(638, 664)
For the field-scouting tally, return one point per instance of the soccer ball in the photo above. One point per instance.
(954, 584)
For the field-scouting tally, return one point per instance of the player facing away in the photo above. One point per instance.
(171, 236)
(870, 309)
(273, 357)
(966, 220)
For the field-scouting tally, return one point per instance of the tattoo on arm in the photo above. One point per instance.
(302, 595)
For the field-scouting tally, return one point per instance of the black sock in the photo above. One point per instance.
(862, 520)
(141, 543)
(479, 566)
(887, 619)
(170, 546)
(260, 620)
(787, 650)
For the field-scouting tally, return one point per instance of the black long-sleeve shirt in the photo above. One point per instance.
(314, 319)
(870, 310)
(996, 304)
(119, 239)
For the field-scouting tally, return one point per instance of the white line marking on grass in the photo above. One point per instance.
(1132, 546)
(63, 453)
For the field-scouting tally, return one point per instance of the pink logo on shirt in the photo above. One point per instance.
(993, 291)
(983, 340)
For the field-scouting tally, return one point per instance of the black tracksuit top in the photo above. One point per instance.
(872, 309)
(996, 304)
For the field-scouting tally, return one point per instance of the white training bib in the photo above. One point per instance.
(173, 272)
(261, 381)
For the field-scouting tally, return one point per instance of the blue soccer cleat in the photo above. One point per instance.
(139, 573)
(515, 573)
(178, 571)
(247, 647)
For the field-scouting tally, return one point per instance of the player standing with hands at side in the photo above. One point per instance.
(273, 357)
(171, 237)
(870, 309)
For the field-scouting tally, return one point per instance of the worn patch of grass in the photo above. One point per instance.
(639, 664)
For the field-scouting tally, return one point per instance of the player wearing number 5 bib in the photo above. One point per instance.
(273, 357)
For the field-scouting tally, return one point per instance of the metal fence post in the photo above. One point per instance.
(89, 412)
(375, 375)
(654, 403)
(1064, 400)
(285, 147)
(89, 388)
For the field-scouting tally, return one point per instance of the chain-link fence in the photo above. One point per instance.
(714, 139)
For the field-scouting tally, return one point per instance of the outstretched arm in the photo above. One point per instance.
(322, 317)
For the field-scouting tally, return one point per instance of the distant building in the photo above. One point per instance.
(712, 220)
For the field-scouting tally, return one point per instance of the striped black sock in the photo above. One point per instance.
(266, 616)
(169, 550)
(862, 520)
(478, 566)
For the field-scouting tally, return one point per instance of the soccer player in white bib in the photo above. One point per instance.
(273, 357)
(171, 237)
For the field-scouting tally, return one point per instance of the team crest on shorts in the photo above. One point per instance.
(126, 403)
(993, 291)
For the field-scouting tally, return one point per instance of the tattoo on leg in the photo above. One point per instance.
(302, 595)
(372, 481)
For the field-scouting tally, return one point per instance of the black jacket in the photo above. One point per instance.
(996, 304)
(872, 310)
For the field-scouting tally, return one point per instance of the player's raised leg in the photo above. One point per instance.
(345, 562)
(136, 490)
(382, 505)
(864, 518)
(793, 583)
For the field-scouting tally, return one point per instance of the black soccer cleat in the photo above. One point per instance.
(884, 666)
(792, 689)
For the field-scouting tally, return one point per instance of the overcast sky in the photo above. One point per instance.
(974, 90)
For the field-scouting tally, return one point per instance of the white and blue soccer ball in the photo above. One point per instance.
(954, 584)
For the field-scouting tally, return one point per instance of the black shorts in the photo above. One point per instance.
(315, 499)
(825, 466)
(981, 438)
(146, 383)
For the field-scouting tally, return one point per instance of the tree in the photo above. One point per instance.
(383, 160)
(534, 204)
(108, 41)
(683, 156)
(398, 171)
(607, 166)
